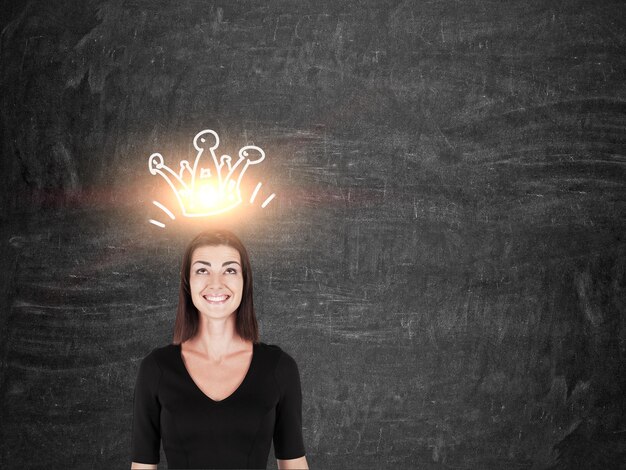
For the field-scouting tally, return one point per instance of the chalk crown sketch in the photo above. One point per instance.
(210, 185)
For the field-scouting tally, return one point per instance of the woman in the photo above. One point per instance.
(217, 396)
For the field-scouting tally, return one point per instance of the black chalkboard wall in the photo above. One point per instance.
(444, 257)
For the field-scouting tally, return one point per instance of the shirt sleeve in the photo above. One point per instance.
(288, 442)
(146, 429)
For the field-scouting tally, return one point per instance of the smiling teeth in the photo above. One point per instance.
(218, 298)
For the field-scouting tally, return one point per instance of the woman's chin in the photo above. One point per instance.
(216, 313)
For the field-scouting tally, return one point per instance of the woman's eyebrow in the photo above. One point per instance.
(230, 262)
(223, 264)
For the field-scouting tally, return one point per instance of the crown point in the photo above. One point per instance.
(155, 163)
(206, 140)
(249, 152)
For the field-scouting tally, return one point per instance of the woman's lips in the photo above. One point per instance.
(216, 299)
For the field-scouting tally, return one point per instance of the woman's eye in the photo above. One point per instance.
(201, 271)
(231, 271)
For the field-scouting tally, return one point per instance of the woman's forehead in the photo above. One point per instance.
(216, 253)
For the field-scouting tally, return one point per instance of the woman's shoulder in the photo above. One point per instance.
(283, 367)
(269, 346)
(283, 361)
(160, 356)
(151, 368)
(273, 349)
(159, 351)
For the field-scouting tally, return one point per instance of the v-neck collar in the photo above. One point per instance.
(246, 378)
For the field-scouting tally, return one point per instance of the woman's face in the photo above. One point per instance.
(216, 280)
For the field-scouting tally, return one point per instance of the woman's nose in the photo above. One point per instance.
(214, 282)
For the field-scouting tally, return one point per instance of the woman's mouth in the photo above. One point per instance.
(216, 299)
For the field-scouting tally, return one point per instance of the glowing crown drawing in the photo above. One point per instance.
(210, 186)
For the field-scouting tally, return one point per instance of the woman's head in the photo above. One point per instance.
(215, 279)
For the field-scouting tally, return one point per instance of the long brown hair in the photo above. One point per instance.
(187, 316)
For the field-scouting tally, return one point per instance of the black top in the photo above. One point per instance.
(235, 432)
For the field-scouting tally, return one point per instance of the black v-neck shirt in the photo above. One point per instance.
(199, 432)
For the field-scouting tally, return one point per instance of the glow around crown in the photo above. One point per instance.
(211, 185)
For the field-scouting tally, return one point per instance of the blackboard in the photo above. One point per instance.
(444, 257)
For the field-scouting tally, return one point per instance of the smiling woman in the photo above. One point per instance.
(217, 396)
(216, 290)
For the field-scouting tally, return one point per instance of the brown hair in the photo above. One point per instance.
(187, 317)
